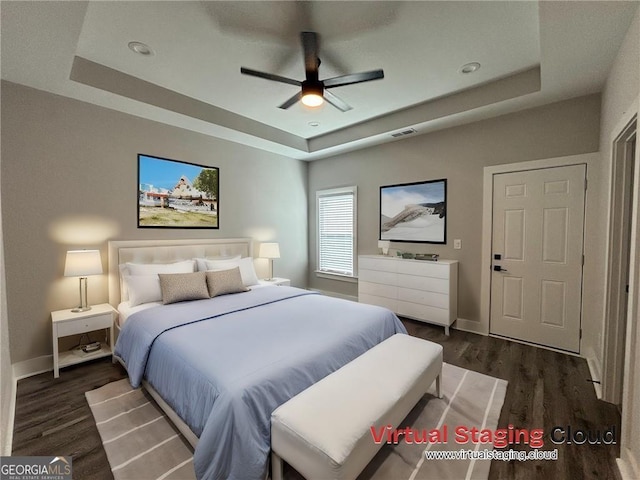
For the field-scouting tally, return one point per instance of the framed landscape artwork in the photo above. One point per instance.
(175, 194)
(414, 212)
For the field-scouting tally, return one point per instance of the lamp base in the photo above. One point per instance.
(80, 309)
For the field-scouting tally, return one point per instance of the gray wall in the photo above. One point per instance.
(459, 155)
(69, 175)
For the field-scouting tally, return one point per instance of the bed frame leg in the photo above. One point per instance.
(438, 389)
(276, 466)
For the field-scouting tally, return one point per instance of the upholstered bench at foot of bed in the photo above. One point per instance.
(325, 431)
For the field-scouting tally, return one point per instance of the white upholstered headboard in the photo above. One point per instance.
(168, 251)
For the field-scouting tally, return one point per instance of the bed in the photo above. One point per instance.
(220, 366)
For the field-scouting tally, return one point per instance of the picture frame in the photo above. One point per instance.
(177, 194)
(414, 212)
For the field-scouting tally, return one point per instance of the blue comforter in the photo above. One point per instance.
(225, 364)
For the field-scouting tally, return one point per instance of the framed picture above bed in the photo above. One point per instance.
(414, 212)
(176, 194)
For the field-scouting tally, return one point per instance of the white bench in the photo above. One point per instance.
(324, 432)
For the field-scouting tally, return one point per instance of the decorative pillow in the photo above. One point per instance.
(247, 270)
(186, 266)
(143, 289)
(201, 266)
(222, 282)
(180, 287)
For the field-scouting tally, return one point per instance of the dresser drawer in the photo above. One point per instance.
(431, 299)
(83, 325)
(377, 263)
(375, 276)
(427, 284)
(422, 312)
(377, 289)
(424, 269)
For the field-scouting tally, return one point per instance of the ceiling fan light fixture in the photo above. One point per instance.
(312, 93)
(312, 99)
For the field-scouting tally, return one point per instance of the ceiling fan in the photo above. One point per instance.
(314, 91)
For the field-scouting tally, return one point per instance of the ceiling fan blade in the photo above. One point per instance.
(353, 78)
(310, 49)
(270, 76)
(336, 101)
(291, 101)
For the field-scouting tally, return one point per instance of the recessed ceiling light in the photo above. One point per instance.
(469, 67)
(141, 48)
(314, 124)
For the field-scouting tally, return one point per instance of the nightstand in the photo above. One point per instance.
(277, 281)
(66, 322)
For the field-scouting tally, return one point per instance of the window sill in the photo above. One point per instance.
(336, 276)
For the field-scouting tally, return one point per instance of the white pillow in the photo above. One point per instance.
(247, 270)
(201, 262)
(186, 266)
(143, 289)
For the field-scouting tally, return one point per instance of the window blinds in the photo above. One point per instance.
(336, 213)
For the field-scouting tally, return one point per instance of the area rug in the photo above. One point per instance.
(142, 443)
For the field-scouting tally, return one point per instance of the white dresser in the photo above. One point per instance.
(417, 289)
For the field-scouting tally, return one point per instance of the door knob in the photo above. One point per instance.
(498, 268)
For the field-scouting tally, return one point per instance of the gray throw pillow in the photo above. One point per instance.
(180, 287)
(222, 282)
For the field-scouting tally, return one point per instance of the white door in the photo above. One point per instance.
(536, 284)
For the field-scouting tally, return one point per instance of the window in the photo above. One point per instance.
(336, 231)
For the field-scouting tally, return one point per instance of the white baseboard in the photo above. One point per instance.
(335, 294)
(469, 326)
(20, 370)
(627, 470)
(33, 366)
(8, 440)
(596, 374)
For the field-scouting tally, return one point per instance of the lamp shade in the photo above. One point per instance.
(80, 263)
(269, 250)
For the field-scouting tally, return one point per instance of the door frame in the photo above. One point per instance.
(588, 159)
(616, 298)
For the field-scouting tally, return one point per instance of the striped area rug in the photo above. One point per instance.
(470, 399)
(141, 443)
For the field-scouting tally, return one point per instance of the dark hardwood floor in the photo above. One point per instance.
(53, 417)
(546, 389)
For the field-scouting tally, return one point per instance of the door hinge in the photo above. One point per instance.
(580, 334)
(583, 260)
(627, 288)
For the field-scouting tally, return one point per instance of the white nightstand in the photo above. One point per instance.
(277, 281)
(66, 322)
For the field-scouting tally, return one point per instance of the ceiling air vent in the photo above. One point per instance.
(403, 133)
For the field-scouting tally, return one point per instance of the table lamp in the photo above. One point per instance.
(270, 251)
(81, 263)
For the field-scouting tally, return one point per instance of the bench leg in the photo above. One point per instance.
(276, 466)
(438, 390)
